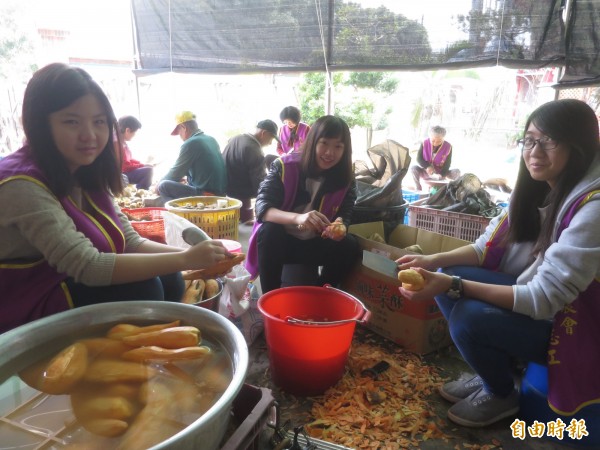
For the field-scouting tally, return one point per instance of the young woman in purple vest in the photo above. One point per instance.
(297, 203)
(63, 241)
(528, 289)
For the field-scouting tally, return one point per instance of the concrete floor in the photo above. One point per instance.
(449, 364)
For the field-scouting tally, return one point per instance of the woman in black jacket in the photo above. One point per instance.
(303, 208)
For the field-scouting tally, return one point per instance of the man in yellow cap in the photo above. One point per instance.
(199, 160)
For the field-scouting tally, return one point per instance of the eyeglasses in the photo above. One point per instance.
(545, 143)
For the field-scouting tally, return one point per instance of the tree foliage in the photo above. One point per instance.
(359, 97)
(16, 44)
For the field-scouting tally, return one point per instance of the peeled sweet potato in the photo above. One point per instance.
(411, 280)
(65, 370)
(222, 267)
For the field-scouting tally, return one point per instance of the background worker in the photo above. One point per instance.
(136, 172)
(199, 161)
(293, 133)
(245, 163)
(434, 159)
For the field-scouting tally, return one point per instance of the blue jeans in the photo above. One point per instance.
(490, 338)
(167, 287)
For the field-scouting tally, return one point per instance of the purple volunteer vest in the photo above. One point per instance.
(573, 356)
(31, 290)
(440, 157)
(330, 203)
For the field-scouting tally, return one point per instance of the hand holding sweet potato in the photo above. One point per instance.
(335, 231)
(221, 268)
(411, 279)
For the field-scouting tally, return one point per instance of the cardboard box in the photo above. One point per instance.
(419, 327)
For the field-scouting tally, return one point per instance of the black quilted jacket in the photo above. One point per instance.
(270, 195)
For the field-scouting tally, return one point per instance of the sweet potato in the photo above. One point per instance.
(335, 230)
(113, 371)
(105, 347)
(212, 288)
(153, 353)
(411, 280)
(194, 292)
(106, 427)
(61, 373)
(124, 329)
(174, 337)
(222, 267)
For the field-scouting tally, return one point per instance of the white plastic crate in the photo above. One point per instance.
(467, 227)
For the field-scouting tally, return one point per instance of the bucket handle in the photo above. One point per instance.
(364, 319)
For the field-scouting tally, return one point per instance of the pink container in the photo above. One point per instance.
(231, 246)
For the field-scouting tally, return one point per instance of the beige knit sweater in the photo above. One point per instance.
(34, 225)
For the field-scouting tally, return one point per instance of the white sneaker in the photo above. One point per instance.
(481, 409)
(457, 390)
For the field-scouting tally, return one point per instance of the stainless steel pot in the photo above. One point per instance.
(26, 344)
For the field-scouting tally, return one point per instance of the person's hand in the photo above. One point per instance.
(312, 220)
(435, 283)
(205, 254)
(335, 231)
(430, 170)
(412, 261)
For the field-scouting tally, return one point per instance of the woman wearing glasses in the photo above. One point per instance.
(528, 289)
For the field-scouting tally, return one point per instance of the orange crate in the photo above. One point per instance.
(467, 227)
(153, 229)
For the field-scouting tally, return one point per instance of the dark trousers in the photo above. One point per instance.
(166, 287)
(276, 248)
(141, 177)
(246, 211)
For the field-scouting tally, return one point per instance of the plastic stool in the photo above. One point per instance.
(231, 246)
(534, 406)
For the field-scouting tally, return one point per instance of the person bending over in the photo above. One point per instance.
(293, 132)
(434, 159)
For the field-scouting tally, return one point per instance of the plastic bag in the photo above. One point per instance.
(239, 301)
(174, 226)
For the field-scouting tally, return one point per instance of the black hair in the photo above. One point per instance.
(290, 113)
(129, 122)
(340, 175)
(52, 88)
(573, 124)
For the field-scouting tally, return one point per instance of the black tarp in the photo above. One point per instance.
(240, 36)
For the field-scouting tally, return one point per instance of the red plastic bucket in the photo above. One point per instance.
(309, 332)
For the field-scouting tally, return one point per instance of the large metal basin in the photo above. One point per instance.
(26, 344)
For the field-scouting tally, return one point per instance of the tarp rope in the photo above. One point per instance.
(322, 33)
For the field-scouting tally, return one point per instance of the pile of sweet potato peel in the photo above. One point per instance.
(399, 417)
